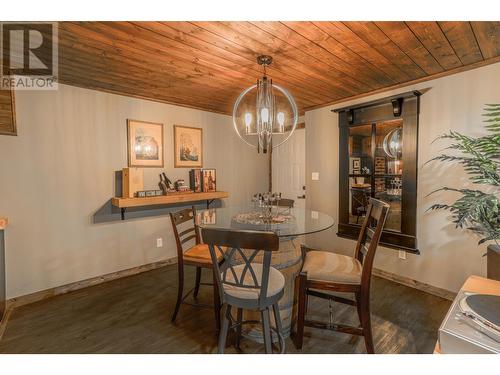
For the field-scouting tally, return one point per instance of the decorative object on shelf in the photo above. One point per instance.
(165, 184)
(170, 198)
(265, 115)
(476, 210)
(395, 166)
(145, 144)
(354, 165)
(209, 180)
(7, 113)
(132, 181)
(148, 193)
(195, 180)
(188, 147)
(393, 143)
(180, 186)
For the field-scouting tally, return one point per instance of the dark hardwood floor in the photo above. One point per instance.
(132, 315)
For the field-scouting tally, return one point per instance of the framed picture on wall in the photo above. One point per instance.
(145, 144)
(209, 180)
(7, 113)
(188, 147)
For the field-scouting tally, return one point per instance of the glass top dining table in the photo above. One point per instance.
(285, 222)
(290, 225)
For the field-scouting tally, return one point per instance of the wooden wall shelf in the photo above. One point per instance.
(124, 203)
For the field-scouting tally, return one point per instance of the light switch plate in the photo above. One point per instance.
(315, 176)
(402, 254)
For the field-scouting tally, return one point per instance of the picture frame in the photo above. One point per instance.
(195, 180)
(188, 147)
(145, 144)
(354, 165)
(209, 180)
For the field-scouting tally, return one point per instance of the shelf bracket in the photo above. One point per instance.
(209, 202)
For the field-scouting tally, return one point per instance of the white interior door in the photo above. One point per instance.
(289, 168)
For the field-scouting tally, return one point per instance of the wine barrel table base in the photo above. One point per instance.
(289, 262)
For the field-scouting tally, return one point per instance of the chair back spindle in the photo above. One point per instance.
(183, 236)
(239, 267)
(369, 237)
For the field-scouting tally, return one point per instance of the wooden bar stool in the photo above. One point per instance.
(245, 284)
(324, 273)
(197, 256)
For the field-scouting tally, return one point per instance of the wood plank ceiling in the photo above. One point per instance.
(207, 64)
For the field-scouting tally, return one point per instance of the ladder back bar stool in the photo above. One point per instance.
(325, 273)
(197, 256)
(245, 283)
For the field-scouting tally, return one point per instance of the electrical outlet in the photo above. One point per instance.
(159, 242)
(402, 254)
(315, 176)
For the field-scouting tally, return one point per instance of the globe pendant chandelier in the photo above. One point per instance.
(393, 143)
(265, 115)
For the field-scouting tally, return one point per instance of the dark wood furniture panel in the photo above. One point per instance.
(3, 224)
(374, 113)
(7, 113)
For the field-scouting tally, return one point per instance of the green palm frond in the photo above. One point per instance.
(480, 157)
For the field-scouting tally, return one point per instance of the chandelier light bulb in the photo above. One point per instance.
(264, 114)
(248, 122)
(281, 122)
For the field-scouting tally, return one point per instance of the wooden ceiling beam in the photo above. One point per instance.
(488, 36)
(255, 40)
(460, 69)
(221, 56)
(463, 41)
(432, 37)
(206, 65)
(318, 43)
(372, 35)
(338, 31)
(404, 38)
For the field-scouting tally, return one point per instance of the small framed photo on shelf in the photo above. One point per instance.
(145, 144)
(209, 180)
(188, 147)
(195, 182)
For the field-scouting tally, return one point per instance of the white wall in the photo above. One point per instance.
(448, 255)
(59, 172)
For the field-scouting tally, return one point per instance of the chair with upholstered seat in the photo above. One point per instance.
(245, 283)
(325, 275)
(198, 255)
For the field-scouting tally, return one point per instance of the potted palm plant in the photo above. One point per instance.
(478, 210)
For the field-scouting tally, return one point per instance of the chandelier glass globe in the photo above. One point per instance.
(265, 115)
(393, 143)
